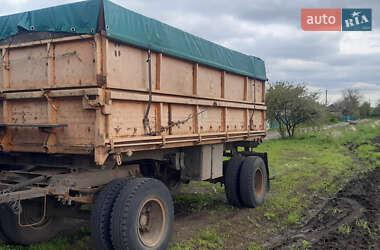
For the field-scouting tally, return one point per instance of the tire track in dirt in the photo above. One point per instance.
(351, 220)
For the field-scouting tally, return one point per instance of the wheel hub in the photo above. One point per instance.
(145, 221)
(152, 224)
(259, 182)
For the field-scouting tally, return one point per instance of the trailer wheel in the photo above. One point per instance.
(101, 214)
(253, 181)
(32, 212)
(231, 181)
(143, 215)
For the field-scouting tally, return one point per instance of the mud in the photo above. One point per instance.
(350, 220)
(376, 143)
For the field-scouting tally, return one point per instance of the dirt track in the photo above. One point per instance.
(277, 135)
(351, 220)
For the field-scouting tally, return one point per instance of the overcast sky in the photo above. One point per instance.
(270, 29)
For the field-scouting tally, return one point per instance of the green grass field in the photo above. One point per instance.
(311, 165)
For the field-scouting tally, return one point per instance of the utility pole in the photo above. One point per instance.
(326, 99)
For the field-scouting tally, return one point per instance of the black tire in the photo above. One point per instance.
(231, 181)
(253, 181)
(143, 215)
(32, 211)
(4, 238)
(101, 214)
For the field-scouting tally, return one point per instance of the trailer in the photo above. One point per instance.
(100, 105)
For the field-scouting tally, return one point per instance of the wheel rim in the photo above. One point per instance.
(151, 222)
(259, 180)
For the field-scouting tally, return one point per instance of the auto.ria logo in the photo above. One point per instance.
(336, 19)
(356, 19)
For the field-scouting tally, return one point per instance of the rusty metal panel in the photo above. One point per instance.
(80, 129)
(126, 118)
(236, 120)
(210, 119)
(258, 120)
(26, 111)
(209, 82)
(75, 64)
(182, 113)
(81, 122)
(177, 76)
(28, 67)
(133, 76)
(259, 91)
(234, 85)
(62, 62)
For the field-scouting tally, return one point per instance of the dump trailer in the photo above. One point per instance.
(100, 105)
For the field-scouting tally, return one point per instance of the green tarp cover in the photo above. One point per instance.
(132, 28)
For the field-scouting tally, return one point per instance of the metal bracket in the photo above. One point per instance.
(199, 138)
(118, 160)
(50, 138)
(5, 136)
(95, 102)
(4, 65)
(251, 121)
(92, 102)
(112, 145)
(179, 160)
(36, 223)
(48, 99)
(163, 141)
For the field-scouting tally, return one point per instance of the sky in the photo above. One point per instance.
(271, 30)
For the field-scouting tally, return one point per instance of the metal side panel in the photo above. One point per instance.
(204, 162)
(217, 161)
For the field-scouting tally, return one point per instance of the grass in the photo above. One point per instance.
(313, 164)
(302, 166)
(307, 166)
(255, 246)
(363, 224)
(207, 239)
(345, 229)
(79, 240)
(319, 162)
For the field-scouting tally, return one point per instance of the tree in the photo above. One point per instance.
(376, 110)
(350, 103)
(291, 105)
(365, 110)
